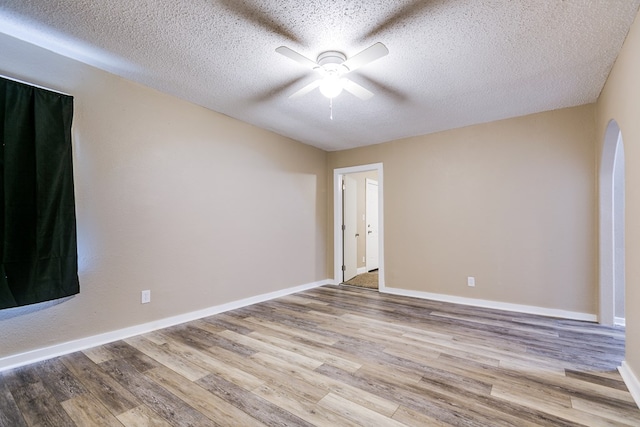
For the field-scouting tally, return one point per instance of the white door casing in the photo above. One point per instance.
(371, 204)
(338, 173)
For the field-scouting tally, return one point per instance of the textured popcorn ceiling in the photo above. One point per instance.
(452, 63)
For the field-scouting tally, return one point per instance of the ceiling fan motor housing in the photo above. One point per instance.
(332, 62)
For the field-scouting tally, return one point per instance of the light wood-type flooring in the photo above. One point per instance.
(336, 356)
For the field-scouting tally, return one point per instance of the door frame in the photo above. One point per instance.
(338, 173)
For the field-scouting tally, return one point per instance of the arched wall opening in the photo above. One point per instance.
(611, 189)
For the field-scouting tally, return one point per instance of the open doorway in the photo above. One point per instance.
(358, 226)
(612, 261)
(360, 229)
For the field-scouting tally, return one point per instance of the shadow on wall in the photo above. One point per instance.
(9, 313)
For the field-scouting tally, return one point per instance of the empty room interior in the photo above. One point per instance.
(234, 168)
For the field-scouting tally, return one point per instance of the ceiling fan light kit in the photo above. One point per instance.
(331, 86)
(330, 64)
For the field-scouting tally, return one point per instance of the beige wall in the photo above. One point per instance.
(197, 207)
(620, 101)
(510, 202)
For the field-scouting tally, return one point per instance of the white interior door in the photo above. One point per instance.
(371, 210)
(350, 228)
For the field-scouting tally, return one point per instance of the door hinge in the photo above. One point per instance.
(344, 227)
(344, 268)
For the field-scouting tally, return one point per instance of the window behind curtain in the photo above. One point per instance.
(38, 251)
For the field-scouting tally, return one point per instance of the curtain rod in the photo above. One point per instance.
(34, 85)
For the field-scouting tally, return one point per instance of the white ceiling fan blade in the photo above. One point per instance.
(300, 59)
(356, 90)
(370, 54)
(305, 90)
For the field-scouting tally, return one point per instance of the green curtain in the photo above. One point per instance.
(38, 251)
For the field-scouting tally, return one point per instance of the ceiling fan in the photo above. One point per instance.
(332, 67)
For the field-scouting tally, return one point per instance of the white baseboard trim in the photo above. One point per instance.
(529, 309)
(631, 381)
(620, 321)
(361, 270)
(37, 355)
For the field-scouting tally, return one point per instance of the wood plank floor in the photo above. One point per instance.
(336, 356)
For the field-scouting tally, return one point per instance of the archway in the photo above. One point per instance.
(612, 227)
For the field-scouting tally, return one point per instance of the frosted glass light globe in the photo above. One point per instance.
(331, 86)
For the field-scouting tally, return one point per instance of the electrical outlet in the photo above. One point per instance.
(471, 281)
(145, 297)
